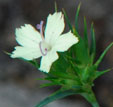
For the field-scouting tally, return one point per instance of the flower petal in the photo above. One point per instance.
(27, 36)
(65, 41)
(55, 26)
(26, 53)
(47, 61)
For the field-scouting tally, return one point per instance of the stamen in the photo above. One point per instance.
(40, 27)
(44, 54)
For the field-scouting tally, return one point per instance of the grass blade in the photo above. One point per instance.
(85, 33)
(93, 44)
(67, 20)
(58, 95)
(76, 17)
(103, 54)
(99, 73)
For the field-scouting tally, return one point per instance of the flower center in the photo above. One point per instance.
(44, 47)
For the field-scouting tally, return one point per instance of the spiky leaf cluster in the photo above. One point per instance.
(76, 69)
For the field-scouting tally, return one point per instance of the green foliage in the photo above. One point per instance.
(99, 73)
(67, 20)
(75, 70)
(90, 97)
(57, 95)
(103, 54)
(93, 44)
(86, 35)
(76, 17)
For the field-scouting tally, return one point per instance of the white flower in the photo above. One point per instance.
(35, 44)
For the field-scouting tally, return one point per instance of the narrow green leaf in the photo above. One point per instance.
(7, 53)
(57, 95)
(76, 17)
(76, 33)
(103, 54)
(56, 7)
(93, 44)
(48, 84)
(67, 20)
(61, 74)
(85, 33)
(99, 73)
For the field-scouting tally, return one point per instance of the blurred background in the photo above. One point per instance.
(18, 87)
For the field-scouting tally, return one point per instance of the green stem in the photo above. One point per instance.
(90, 97)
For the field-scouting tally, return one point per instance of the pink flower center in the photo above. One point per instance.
(43, 50)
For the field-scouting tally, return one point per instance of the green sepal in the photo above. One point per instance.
(64, 80)
(57, 95)
(103, 54)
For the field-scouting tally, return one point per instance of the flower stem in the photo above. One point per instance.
(90, 97)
